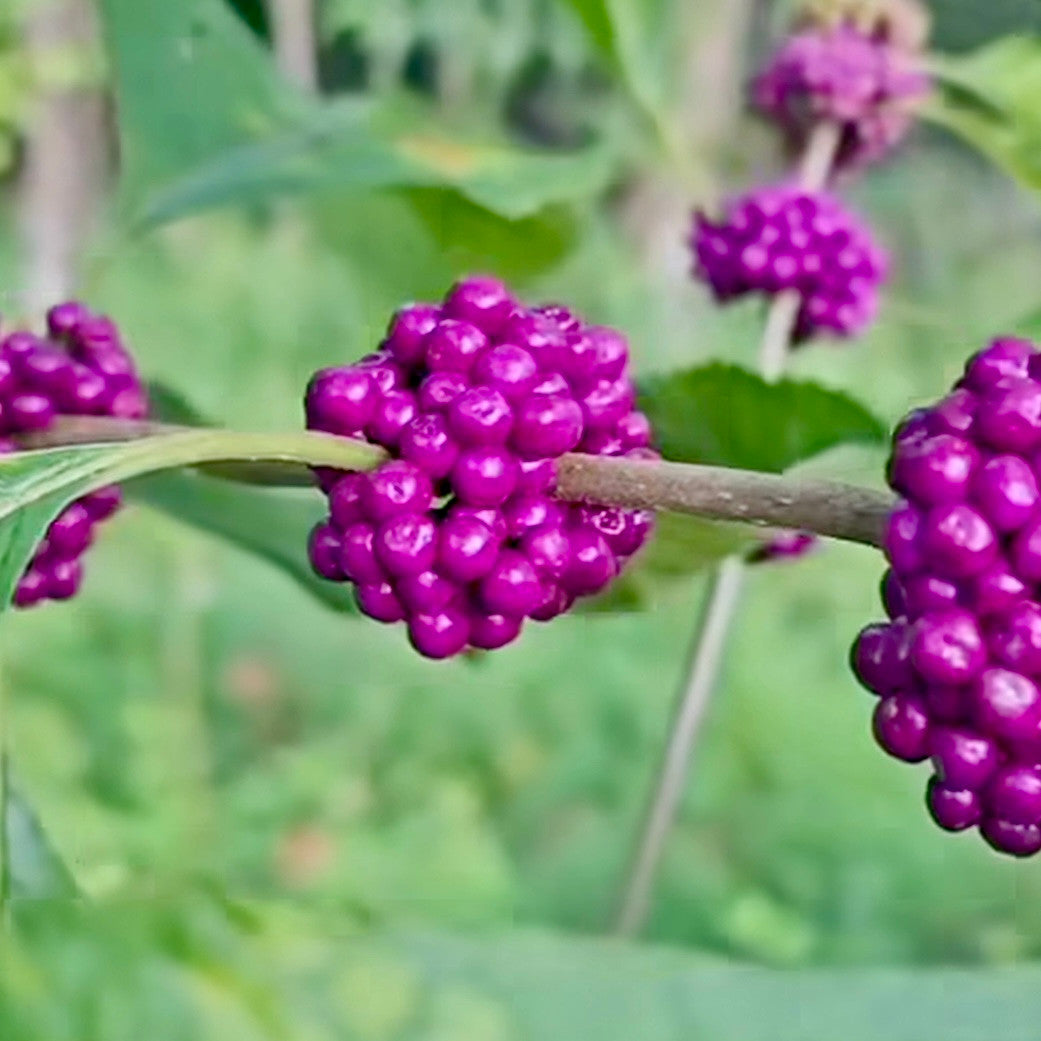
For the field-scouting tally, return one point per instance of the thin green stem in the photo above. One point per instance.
(722, 599)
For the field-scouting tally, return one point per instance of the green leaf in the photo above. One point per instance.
(726, 416)
(191, 83)
(205, 122)
(638, 35)
(272, 524)
(682, 546)
(35, 486)
(989, 97)
(31, 869)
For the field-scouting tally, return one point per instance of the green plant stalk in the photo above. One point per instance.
(721, 602)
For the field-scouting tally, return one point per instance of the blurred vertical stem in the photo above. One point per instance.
(293, 31)
(66, 150)
(721, 602)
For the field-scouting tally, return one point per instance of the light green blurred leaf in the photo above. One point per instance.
(31, 869)
(726, 416)
(989, 97)
(249, 137)
(681, 546)
(271, 524)
(637, 35)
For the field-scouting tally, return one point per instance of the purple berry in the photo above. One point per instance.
(902, 539)
(340, 401)
(592, 565)
(963, 758)
(881, 657)
(995, 589)
(482, 301)
(408, 329)
(485, 476)
(901, 727)
(953, 809)
(954, 414)
(467, 548)
(1009, 416)
(1003, 359)
(379, 601)
(71, 531)
(358, 555)
(509, 369)
(426, 592)
(394, 411)
(103, 503)
(524, 512)
(345, 500)
(396, 487)
(511, 587)
(1014, 637)
(925, 593)
(454, 346)
(1014, 794)
(957, 541)
(480, 416)
(406, 544)
(1005, 490)
(439, 634)
(438, 391)
(426, 441)
(491, 631)
(324, 551)
(935, 470)
(547, 425)
(946, 647)
(549, 550)
(1020, 840)
(1006, 704)
(28, 411)
(31, 588)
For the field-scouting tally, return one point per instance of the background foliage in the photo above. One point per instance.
(286, 825)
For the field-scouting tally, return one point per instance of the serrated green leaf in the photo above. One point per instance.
(726, 416)
(989, 98)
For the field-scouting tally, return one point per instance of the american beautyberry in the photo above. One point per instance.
(459, 535)
(81, 368)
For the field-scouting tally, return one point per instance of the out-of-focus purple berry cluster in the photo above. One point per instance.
(864, 82)
(459, 535)
(785, 545)
(958, 666)
(80, 368)
(781, 238)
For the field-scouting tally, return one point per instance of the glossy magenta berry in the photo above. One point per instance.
(936, 469)
(491, 631)
(396, 487)
(957, 541)
(953, 809)
(407, 331)
(481, 301)
(1014, 637)
(1019, 840)
(1006, 704)
(467, 548)
(963, 758)
(1005, 491)
(485, 476)
(947, 647)
(881, 657)
(427, 442)
(1009, 416)
(1014, 794)
(511, 587)
(439, 634)
(509, 369)
(454, 346)
(901, 727)
(379, 601)
(547, 425)
(406, 544)
(358, 555)
(340, 401)
(480, 416)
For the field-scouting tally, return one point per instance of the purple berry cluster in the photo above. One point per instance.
(865, 82)
(782, 238)
(958, 666)
(459, 534)
(81, 368)
(785, 545)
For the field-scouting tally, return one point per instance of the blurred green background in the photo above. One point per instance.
(286, 824)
